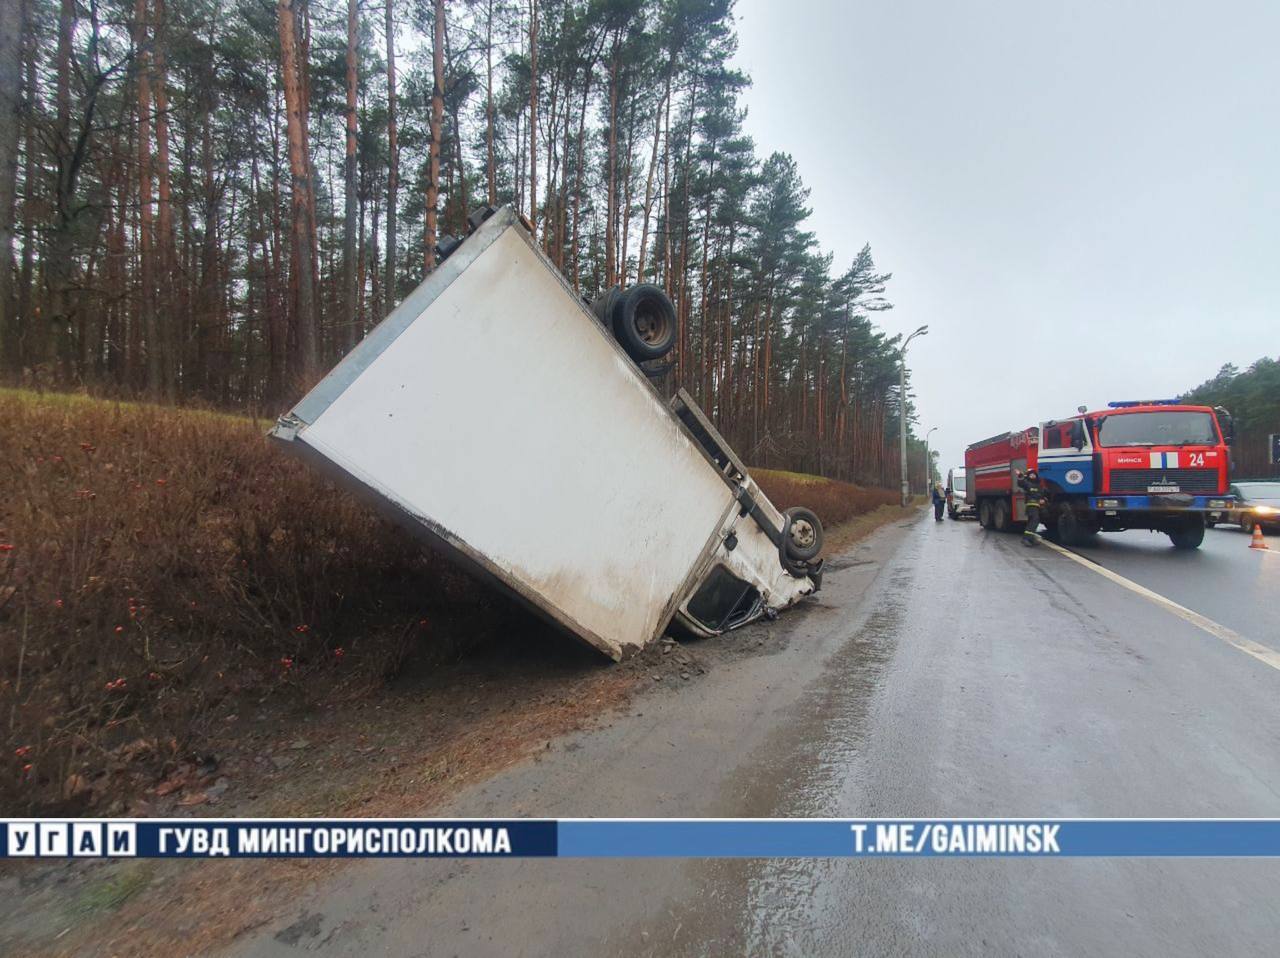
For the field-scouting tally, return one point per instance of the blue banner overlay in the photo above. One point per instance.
(639, 838)
(278, 838)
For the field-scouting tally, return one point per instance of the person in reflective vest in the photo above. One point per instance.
(1029, 483)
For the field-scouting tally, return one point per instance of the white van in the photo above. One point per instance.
(957, 485)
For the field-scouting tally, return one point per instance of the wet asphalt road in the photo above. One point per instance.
(943, 672)
(1223, 579)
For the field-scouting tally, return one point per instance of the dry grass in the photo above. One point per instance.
(156, 562)
(834, 502)
(159, 568)
(194, 592)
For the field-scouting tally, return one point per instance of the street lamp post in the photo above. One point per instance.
(928, 463)
(902, 410)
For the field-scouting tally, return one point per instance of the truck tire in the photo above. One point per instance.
(804, 539)
(952, 515)
(605, 305)
(1000, 520)
(1189, 535)
(644, 322)
(984, 513)
(1246, 522)
(1071, 531)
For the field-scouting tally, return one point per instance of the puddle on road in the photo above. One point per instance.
(776, 906)
(783, 909)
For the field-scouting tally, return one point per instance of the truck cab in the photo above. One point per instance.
(1161, 449)
(1065, 458)
(1156, 464)
(1152, 464)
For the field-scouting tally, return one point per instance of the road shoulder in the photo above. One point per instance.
(414, 753)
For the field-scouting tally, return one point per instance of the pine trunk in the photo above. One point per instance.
(653, 164)
(490, 166)
(437, 125)
(146, 263)
(533, 116)
(12, 17)
(610, 238)
(164, 237)
(393, 163)
(307, 356)
(350, 306)
(26, 328)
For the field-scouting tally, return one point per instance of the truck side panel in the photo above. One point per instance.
(511, 426)
(993, 466)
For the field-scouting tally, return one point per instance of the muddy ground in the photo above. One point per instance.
(398, 754)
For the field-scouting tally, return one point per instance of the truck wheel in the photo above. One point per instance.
(605, 305)
(644, 322)
(1071, 531)
(1246, 523)
(804, 540)
(952, 515)
(1000, 516)
(984, 513)
(1189, 535)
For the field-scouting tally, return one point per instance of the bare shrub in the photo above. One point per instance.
(834, 502)
(158, 565)
(154, 562)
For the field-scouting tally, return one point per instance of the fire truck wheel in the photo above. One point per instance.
(1071, 531)
(804, 540)
(1189, 535)
(984, 513)
(1000, 516)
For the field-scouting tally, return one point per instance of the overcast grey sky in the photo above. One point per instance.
(1079, 199)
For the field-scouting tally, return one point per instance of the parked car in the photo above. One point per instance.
(1257, 503)
(956, 486)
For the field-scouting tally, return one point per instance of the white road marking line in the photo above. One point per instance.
(1260, 652)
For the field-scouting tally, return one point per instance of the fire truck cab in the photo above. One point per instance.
(1154, 464)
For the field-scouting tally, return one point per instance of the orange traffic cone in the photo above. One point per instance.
(1257, 542)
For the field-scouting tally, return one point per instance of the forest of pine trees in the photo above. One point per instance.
(1252, 396)
(210, 201)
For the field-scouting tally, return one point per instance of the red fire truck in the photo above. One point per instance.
(1154, 464)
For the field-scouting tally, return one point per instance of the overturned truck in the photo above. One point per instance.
(515, 426)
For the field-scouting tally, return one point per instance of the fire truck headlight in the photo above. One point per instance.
(1109, 503)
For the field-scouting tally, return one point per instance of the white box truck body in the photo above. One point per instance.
(492, 412)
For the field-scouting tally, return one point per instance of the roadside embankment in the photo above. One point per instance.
(177, 596)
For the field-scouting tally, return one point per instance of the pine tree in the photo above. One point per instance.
(208, 204)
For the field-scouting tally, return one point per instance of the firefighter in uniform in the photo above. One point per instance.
(1029, 483)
